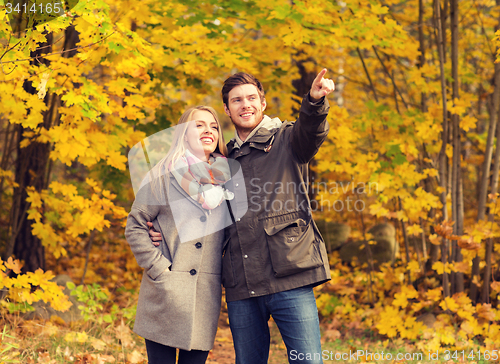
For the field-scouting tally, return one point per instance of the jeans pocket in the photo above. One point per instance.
(292, 246)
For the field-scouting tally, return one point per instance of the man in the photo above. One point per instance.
(274, 253)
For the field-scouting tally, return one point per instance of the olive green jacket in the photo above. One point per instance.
(275, 246)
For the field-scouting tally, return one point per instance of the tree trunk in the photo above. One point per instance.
(443, 159)
(32, 169)
(421, 40)
(485, 291)
(494, 110)
(457, 190)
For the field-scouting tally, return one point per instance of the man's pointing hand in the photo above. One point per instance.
(321, 86)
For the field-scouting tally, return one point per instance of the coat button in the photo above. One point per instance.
(198, 245)
(192, 272)
(203, 218)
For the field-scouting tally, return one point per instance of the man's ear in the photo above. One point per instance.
(226, 110)
(264, 104)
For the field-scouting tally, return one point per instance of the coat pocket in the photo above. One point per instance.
(292, 245)
(228, 278)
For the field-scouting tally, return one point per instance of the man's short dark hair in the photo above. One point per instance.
(238, 79)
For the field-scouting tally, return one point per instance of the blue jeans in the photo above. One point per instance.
(296, 315)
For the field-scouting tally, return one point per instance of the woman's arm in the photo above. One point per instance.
(137, 233)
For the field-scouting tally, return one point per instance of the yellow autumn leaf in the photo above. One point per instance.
(123, 333)
(434, 239)
(15, 265)
(135, 357)
(413, 266)
(103, 359)
(79, 337)
(439, 268)
(414, 229)
(97, 344)
(449, 304)
(34, 198)
(486, 311)
(49, 329)
(468, 122)
(401, 298)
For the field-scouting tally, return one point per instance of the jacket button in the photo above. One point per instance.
(192, 272)
(203, 218)
(252, 292)
(245, 256)
(198, 245)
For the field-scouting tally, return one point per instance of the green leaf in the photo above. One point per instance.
(399, 159)
(393, 150)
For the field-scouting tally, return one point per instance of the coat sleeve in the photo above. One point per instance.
(310, 130)
(147, 255)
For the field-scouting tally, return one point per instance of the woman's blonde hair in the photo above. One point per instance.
(178, 147)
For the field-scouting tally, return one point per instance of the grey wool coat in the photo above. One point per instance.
(180, 306)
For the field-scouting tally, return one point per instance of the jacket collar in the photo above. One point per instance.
(266, 123)
(259, 140)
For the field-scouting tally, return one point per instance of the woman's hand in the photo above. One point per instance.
(153, 234)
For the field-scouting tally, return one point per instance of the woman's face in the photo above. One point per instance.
(202, 134)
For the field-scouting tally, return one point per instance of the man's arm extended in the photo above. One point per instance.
(311, 128)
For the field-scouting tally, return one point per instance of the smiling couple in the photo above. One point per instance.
(267, 260)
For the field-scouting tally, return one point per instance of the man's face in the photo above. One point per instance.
(245, 108)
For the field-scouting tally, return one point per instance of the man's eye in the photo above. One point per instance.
(252, 97)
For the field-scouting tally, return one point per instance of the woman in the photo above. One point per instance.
(180, 295)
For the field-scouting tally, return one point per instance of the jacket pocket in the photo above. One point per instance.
(292, 245)
(228, 278)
